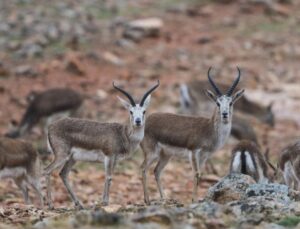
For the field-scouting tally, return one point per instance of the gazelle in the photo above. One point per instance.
(247, 159)
(74, 140)
(289, 165)
(167, 135)
(193, 101)
(45, 105)
(19, 161)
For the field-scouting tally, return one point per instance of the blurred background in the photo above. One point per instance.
(86, 44)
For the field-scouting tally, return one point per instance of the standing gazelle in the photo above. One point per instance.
(74, 140)
(168, 135)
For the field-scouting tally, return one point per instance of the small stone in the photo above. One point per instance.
(3, 70)
(74, 65)
(25, 70)
(113, 59)
(100, 218)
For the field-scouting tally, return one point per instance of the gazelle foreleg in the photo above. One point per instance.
(109, 164)
(198, 159)
(20, 182)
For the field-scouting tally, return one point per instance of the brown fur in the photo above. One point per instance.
(45, 104)
(19, 154)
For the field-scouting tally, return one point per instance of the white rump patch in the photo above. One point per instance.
(236, 163)
(249, 161)
(12, 172)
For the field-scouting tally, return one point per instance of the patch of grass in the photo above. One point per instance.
(289, 221)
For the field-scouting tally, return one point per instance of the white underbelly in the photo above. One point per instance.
(174, 151)
(80, 154)
(12, 172)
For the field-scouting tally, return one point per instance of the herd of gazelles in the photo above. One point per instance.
(161, 137)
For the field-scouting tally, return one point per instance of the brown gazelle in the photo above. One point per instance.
(247, 159)
(61, 102)
(74, 140)
(19, 161)
(167, 135)
(193, 101)
(289, 165)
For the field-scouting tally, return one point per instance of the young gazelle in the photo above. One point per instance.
(247, 159)
(289, 165)
(74, 140)
(19, 161)
(167, 135)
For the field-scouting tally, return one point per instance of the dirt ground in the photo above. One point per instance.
(195, 35)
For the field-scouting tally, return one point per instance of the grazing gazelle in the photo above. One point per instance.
(19, 161)
(247, 159)
(168, 135)
(289, 165)
(46, 104)
(74, 140)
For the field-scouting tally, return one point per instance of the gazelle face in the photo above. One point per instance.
(137, 112)
(224, 104)
(137, 115)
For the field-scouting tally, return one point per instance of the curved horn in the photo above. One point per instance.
(125, 93)
(148, 93)
(235, 83)
(217, 90)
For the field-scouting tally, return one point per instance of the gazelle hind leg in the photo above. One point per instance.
(64, 176)
(35, 183)
(162, 162)
(21, 183)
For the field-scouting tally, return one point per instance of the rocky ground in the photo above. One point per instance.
(87, 44)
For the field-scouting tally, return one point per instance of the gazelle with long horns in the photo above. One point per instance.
(168, 135)
(74, 140)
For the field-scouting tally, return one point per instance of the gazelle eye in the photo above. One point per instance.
(218, 104)
(230, 104)
(131, 112)
(144, 112)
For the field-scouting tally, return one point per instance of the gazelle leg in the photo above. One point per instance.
(198, 160)
(162, 162)
(35, 183)
(20, 182)
(145, 167)
(64, 176)
(109, 163)
(58, 162)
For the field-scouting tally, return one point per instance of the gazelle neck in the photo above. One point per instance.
(221, 129)
(135, 135)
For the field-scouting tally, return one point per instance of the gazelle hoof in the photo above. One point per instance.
(78, 206)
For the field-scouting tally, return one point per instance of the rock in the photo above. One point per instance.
(113, 59)
(230, 188)
(52, 33)
(74, 65)
(276, 191)
(138, 29)
(278, 9)
(153, 215)
(100, 218)
(25, 70)
(30, 50)
(125, 43)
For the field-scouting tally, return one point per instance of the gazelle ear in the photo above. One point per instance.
(211, 95)
(147, 101)
(238, 95)
(124, 103)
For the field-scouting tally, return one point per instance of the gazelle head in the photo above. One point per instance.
(137, 110)
(224, 102)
